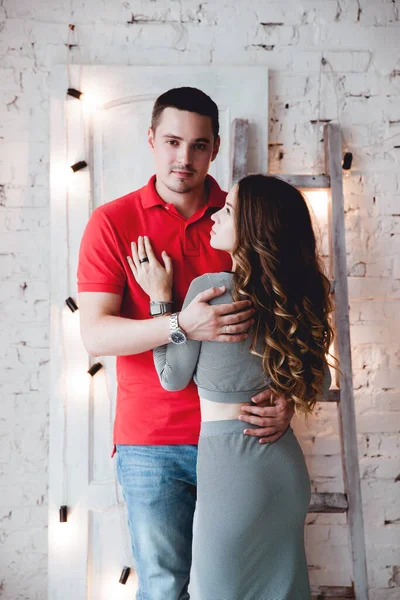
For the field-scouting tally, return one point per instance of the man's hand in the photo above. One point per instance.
(219, 323)
(152, 277)
(273, 420)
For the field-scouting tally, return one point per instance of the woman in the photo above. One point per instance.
(248, 537)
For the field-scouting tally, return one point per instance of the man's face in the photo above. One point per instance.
(183, 147)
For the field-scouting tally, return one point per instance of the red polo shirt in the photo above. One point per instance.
(145, 412)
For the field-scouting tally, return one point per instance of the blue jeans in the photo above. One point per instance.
(159, 487)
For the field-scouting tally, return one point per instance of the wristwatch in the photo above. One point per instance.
(176, 334)
(160, 308)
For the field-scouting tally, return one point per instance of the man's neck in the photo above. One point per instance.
(186, 203)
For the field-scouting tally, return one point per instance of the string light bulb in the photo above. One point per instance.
(94, 368)
(124, 575)
(81, 164)
(347, 160)
(74, 93)
(63, 514)
(72, 305)
(90, 100)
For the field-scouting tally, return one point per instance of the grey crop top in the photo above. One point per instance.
(222, 371)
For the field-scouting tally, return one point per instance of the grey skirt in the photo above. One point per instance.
(252, 500)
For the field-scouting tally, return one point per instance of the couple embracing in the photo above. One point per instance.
(217, 308)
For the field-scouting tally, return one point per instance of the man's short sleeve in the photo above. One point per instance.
(100, 267)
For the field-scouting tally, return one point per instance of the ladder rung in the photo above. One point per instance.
(333, 396)
(325, 502)
(306, 181)
(326, 591)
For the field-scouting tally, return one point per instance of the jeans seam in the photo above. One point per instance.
(134, 553)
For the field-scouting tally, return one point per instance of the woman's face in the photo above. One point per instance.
(223, 235)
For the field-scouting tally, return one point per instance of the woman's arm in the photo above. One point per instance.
(176, 363)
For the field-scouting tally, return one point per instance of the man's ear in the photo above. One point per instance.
(150, 138)
(216, 148)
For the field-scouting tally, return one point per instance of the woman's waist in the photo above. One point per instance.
(228, 396)
(220, 411)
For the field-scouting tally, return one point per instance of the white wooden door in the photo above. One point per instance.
(88, 552)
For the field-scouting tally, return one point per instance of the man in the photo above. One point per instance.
(155, 431)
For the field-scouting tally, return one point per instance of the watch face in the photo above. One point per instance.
(178, 337)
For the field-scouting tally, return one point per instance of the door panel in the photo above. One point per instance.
(87, 554)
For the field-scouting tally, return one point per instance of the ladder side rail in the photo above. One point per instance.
(347, 421)
(239, 150)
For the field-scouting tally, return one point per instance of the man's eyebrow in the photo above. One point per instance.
(176, 137)
(171, 135)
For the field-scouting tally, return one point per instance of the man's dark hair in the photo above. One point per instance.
(186, 98)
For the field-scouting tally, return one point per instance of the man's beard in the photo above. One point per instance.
(181, 186)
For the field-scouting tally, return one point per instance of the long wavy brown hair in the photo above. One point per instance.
(279, 270)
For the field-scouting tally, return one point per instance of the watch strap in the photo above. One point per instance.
(160, 308)
(174, 327)
(173, 322)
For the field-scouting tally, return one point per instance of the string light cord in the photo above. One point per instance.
(315, 164)
(65, 415)
(378, 143)
(64, 353)
(334, 78)
(69, 286)
(73, 41)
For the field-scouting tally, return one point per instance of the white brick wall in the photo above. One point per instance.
(360, 83)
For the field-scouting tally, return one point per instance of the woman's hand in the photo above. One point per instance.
(152, 277)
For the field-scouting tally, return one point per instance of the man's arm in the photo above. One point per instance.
(105, 333)
(273, 420)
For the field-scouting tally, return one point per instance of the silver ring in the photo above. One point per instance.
(142, 260)
(226, 329)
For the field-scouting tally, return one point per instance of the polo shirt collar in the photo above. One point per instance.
(150, 197)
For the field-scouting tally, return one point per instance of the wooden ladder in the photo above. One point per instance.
(349, 502)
